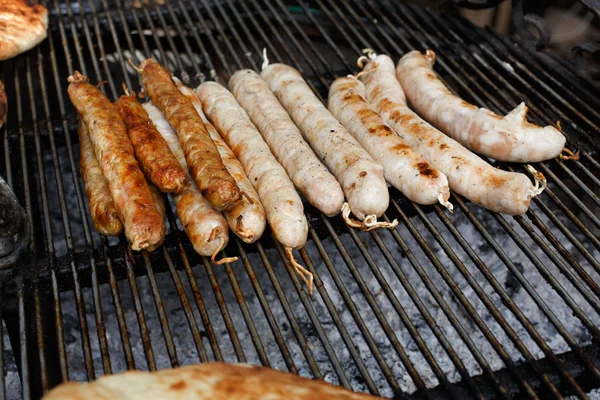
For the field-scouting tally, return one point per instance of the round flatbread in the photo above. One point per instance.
(22, 27)
(3, 104)
(210, 381)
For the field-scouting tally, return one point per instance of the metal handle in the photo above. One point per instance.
(586, 69)
(15, 230)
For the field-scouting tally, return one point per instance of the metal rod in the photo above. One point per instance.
(266, 308)
(306, 302)
(387, 373)
(314, 367)
(339, 324)
(162, 315)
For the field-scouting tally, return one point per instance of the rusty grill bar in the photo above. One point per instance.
(256, 309)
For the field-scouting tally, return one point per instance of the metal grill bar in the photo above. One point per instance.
(369, 305)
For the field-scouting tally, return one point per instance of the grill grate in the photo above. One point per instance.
(469, 305)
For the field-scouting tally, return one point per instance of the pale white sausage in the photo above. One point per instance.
(360, 176)
(285, 141)
(510, 138)
(403, 167)
(468, 175)
(282, 203)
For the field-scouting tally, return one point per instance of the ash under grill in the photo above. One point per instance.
(465, 305)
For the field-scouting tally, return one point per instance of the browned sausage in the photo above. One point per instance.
(247, 218)
(201, 154)
(102, 206)
(114, 152)
(159, 204)
(152, 151)
(205, 227)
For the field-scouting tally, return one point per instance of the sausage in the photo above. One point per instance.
(247, 218)
(102, 206)
(201, 154)
(282, 203)
(285, 140)
(468, 175)
(152, 151)
(506, 138)
(159, 204)
(205, 227)
(114, 152)
(403, 167)
(360, 176)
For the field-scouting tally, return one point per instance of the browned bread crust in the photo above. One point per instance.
(213, 381)
(22, 27)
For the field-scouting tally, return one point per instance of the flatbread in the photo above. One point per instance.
(22, 27)
(3, 104)
(215, 381)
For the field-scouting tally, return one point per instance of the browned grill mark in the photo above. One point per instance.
(376, 92)
(353, 98)
(468, 105)
(426, 170)
(180, 385)
(365, 113)
(400, 147)
(497, 181)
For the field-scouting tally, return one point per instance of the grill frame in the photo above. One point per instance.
(46, 274)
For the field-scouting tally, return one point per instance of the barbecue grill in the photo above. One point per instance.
(465, 305)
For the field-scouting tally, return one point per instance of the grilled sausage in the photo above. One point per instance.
(295, 155)
(205, 227)
(468, 175)
(152, 151)
(282, 203)
(403, 167)
(102, 206)
(510, 138)
(360, 176)
(247, 218)
(202, 156)
(115, 154)
(159, 204)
